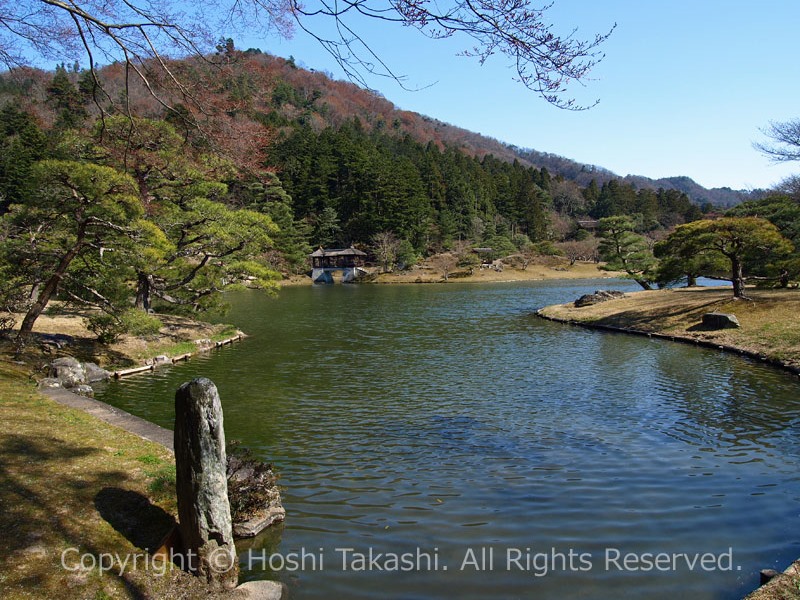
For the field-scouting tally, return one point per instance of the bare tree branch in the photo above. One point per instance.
(785, 136)
(145, 34)
(544, 62)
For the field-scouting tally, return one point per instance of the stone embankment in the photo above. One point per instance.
(203, 345)
(69, 373)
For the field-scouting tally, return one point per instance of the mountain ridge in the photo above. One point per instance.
(286, 93)
(481, 145)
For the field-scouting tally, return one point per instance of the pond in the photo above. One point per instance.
(472, 450)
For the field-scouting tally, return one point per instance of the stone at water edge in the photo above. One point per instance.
(69, 370)
(83, 390)
(267, 517)
(247, 479)
(159, 361)
(261, 590)
(201, 483)
(95, 373)
(50, 382)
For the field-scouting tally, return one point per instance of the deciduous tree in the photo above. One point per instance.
(584, 250)
(785, 141)
(386, 245)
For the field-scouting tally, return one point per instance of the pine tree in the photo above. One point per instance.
(66, 99)
(78, 211)
(22, 143)
(624, 250)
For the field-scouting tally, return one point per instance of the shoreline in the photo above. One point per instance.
(711, 345)
(610, 316)
(60, 332)
(117, 417)
(543, 269)
(768, 332)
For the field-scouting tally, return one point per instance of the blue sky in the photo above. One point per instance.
(684, 89)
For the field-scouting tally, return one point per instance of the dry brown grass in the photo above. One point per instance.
(770, 319)
(785, 586)
(429, 273)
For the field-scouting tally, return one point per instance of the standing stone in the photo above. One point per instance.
(200, 463)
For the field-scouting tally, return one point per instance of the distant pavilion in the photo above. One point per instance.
(326, 261)
(589, 225)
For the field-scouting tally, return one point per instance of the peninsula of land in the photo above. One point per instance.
(769, 328)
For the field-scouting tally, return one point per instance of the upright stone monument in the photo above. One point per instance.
(202, 487)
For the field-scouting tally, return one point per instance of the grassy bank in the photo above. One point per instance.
(769, 323)
(75, 487)
(176, 337)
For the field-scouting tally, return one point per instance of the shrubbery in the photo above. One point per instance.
(109, 328)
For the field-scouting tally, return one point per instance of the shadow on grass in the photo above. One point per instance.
(701, 327)
(43, 348)
(133, 515)
(651, 317)
(45, 489)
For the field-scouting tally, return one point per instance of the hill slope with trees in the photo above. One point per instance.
(252, 164)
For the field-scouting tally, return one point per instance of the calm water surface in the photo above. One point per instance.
(448, 420)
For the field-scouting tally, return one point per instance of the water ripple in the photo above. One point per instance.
(450, 417)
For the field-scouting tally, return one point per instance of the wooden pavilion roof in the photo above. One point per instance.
(331, 252)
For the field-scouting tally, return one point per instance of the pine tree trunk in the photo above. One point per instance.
(50, 287)
(737, 278)
(144, 291)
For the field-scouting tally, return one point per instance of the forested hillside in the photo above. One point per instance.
(330, 163)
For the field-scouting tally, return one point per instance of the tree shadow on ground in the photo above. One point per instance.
(651, 317)
(141, 522)
(26, 475)
(44, 490)
(43, 348)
